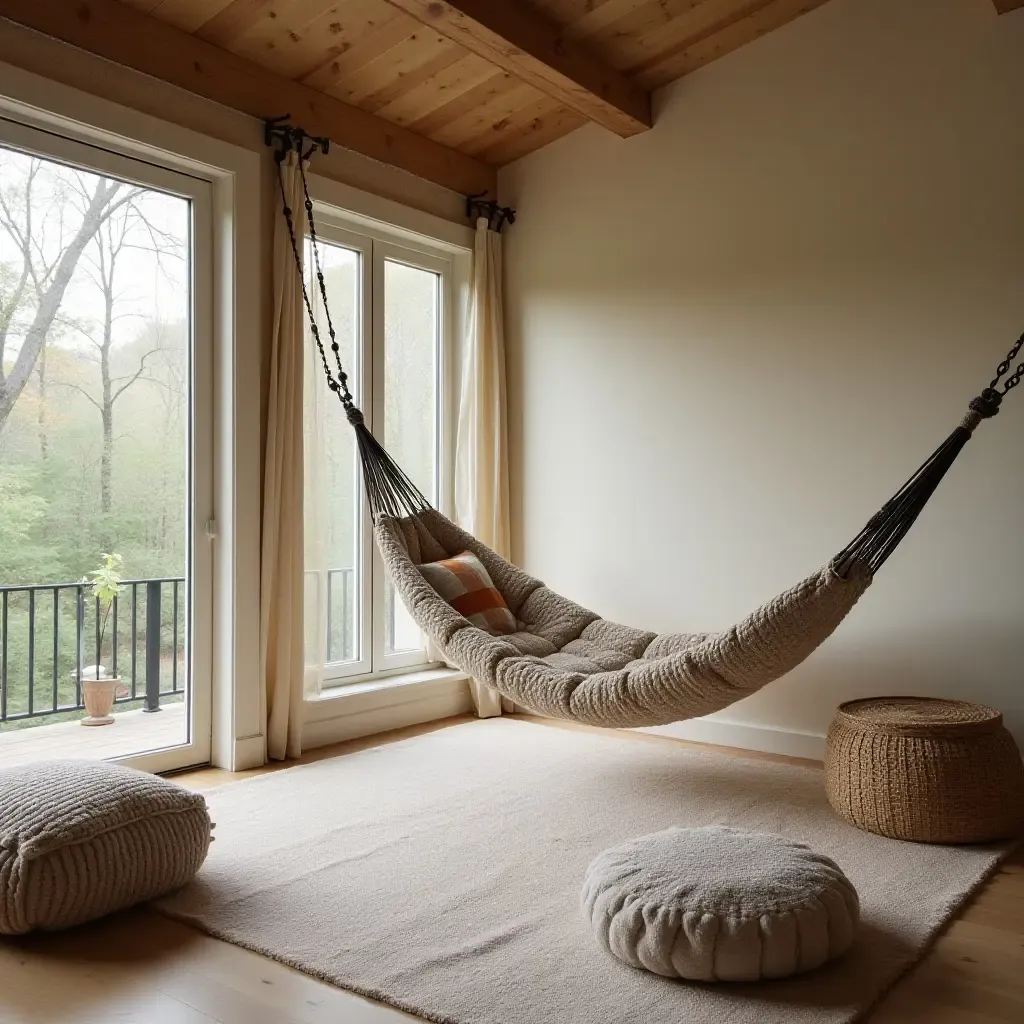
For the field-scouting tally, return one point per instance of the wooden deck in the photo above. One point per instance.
(132, 732)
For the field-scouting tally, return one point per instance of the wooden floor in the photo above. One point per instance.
(141, 968)
(132, 732)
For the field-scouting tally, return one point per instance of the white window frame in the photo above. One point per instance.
(433, 260)
(378, 244)
(195, 745)
(236, 738)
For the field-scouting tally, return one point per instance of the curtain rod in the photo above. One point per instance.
(287, 138)
(497, 216)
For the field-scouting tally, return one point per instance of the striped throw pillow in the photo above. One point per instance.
(465, 584)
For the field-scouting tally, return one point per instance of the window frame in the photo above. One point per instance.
(361, 667)
(377, 244)
(24, 135)
(233, 171)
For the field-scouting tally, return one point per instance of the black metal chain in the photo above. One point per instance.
(389, 491)
(290, 140)
(988, 402)
(315, 246)
(338, 385)
(1014, 379)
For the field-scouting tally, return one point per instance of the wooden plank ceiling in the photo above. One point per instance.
(375, 55)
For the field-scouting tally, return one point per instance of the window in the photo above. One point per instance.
(105, 426)
(389, 302)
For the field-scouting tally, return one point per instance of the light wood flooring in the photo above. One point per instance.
(141, 968)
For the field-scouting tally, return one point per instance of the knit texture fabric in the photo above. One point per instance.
(80, 839)
(719, 904)
(567, 662)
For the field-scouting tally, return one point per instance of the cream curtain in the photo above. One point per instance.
(481, 446)
(281, 581)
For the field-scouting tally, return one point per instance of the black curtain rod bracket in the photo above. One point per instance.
(286, 138)
(497, 216)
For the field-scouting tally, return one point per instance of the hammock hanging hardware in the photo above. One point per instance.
(887, 527)
(633, 678)
(388, 489)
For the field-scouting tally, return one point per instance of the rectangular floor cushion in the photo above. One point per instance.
(80, 839)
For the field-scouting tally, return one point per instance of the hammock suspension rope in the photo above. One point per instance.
(566, 661)
(390, 491)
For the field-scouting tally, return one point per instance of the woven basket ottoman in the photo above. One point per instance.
(924, 769)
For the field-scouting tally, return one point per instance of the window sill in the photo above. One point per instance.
(335, 689)
(377, 705)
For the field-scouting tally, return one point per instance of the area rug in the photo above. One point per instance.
(441, 874)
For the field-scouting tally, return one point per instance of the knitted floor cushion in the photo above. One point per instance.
(719, 904)
(80, 839)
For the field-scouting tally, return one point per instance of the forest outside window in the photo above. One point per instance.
(389, 304)
(106, 417)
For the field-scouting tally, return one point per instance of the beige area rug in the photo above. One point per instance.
(441, 874)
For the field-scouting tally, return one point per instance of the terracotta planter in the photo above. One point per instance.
(98, 697)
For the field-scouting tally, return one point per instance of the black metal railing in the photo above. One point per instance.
(49, 633)
(343, 619)
(341, 624)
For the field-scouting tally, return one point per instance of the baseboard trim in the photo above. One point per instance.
(764, 738)
(392, 708)
(249, 752)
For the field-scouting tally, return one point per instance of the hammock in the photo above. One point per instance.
(567, 662)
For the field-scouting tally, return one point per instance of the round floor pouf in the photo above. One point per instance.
(924, 769)
(719, 904)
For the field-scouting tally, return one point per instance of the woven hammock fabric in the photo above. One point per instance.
(568, 662)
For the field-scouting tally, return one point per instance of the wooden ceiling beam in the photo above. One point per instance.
(523, 43)
(1005, 6)
(125, 36)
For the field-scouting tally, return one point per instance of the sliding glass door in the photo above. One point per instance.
(105, 466)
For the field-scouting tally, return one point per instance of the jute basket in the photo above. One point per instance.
(928, 770)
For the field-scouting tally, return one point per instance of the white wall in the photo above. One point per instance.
(733, 337)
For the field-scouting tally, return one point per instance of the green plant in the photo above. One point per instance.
(106, 585)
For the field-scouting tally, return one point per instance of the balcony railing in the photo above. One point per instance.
(50, 636)
(341, 640)
(343, 617)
